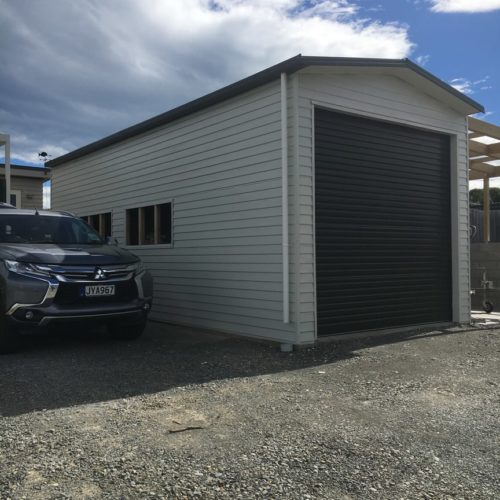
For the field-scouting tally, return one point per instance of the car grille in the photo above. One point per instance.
(88, 273)
(70, 294)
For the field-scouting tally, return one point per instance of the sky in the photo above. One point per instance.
(73, 72)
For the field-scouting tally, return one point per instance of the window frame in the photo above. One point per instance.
(19, 195)
(156, 223)
(88, 217)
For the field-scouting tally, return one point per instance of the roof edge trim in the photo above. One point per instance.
(262, 77)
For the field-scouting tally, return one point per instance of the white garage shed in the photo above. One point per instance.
(321, 196)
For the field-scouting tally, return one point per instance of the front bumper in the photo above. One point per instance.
(52, 301)
(45, 316)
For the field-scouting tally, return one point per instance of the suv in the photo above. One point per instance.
(56, 269)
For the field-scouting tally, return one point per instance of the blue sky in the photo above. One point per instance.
(456, 45)
(78, 71)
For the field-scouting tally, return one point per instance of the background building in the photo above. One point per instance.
(26, 185)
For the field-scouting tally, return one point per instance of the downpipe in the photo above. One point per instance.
(284, 198)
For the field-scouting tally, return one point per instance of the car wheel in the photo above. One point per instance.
(9, 337)
(487, 306)
(125, 331)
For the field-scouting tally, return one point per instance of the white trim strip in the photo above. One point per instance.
(284, 198)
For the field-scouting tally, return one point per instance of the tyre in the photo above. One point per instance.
(487, 306)
(9, 337)
(125, 331)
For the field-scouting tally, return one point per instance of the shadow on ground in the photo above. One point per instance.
(63, 369)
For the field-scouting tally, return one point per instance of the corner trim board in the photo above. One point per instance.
(284, 197)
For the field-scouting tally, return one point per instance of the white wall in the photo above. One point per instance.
(221, 167)
(31, 191)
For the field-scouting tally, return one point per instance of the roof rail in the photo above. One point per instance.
(65, 212)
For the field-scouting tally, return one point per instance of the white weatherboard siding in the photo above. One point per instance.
(221, 168)
(31, 191)
(389, 98)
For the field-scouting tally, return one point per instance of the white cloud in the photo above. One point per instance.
(483, 84)
(423, 60)
(86, 69)
(470, 6)
(27, 150)
(462, 85)
(483, 116)
(470, 86)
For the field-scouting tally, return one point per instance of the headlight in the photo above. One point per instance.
(23, 268)
(139, 268)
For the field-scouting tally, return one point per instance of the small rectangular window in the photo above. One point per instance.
(100, 222)
(148, 221)
(165, 223)
(133, 226)
(149, 225)
(106, 224)
(95, 222)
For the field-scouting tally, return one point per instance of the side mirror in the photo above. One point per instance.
(111, 241)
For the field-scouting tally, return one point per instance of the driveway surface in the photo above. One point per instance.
(185, 414)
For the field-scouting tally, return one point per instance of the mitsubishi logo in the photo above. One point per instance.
(99, 274)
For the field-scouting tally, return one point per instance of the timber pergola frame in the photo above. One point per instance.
(484, 161)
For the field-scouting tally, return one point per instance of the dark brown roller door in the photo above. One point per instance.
(383, 250)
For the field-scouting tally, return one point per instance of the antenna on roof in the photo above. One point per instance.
(36, 211)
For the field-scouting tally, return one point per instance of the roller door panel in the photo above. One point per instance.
(383, 243)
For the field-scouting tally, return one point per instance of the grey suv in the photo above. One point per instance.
(56, 269)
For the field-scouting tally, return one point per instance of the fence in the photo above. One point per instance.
(476, 221)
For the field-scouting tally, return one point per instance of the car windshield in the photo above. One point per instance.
(50, 229)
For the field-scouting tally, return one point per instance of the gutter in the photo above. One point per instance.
(284, 198)
(262, 77)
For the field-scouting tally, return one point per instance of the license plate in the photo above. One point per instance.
(99, 290)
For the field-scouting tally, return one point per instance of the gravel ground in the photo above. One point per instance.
(180, 414)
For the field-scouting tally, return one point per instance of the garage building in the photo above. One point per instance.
(322, 196)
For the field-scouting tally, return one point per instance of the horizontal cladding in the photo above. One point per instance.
(31, 191)
(353, 95)
(377, 271)
(230, 174)
(217, 189)
(251, 147)
(257, 328)
(221, 168)
(226, 116)
(157, 144)
(221, 294)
